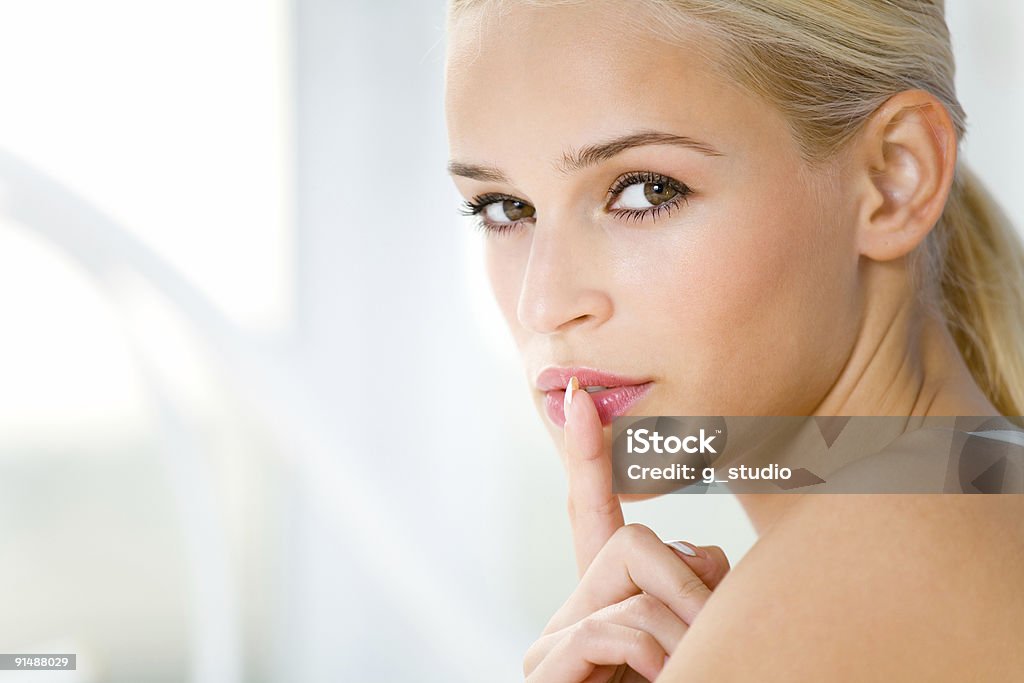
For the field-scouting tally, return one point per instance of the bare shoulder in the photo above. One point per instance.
(870, 587)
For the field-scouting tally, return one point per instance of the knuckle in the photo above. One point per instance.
(585, 630)
(642, 642)
(603, 508)
(644, 610)
(646, 606)
(690, 587)
(631, 536)
(606, 506)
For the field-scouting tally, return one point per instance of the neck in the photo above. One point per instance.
(905, 363)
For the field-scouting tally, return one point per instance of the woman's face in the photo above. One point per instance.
(699, 253)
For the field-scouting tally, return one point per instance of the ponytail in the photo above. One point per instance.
(982, 290)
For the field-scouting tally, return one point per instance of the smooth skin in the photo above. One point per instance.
(772, 288)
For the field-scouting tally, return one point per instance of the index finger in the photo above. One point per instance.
(594, 511)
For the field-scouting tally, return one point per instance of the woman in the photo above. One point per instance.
(749, 207)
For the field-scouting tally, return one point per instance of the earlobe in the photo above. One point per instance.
(906, 160)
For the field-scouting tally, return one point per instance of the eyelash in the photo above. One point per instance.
(477, 205)
(637, 215)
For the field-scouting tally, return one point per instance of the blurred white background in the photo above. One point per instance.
(258, 418)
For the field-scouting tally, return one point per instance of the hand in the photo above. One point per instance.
(636, 596)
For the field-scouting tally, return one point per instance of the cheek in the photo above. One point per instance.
(506, 259)
(756, 311)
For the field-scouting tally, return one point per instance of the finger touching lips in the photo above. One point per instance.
(594, 511)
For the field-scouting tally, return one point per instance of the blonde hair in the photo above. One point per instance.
(827, 66)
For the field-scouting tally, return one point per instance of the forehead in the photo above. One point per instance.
(549, 78)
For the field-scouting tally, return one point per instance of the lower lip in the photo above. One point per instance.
(610, 402)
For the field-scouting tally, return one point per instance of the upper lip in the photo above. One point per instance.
(557, 377)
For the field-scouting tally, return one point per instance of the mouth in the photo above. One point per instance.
(613, 395)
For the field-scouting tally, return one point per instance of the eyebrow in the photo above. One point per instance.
(476, 172)
(575, 160)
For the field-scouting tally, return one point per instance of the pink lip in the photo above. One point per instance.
(621, 394)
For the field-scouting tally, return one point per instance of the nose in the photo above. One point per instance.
(562, 286)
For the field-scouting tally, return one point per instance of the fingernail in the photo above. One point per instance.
(685, 548)
(572, 386)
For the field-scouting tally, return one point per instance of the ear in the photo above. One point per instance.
(904, 159)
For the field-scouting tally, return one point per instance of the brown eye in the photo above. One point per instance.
(645, 194)
(516, 210)
(508, 211)
(658, 193)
